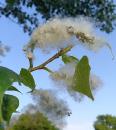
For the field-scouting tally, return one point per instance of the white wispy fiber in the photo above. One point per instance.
(63, 79)
(64, 76)
(95, 82)
(31, 108)
(3, 49)
(59, 32)
(51, 106)
(29, 55)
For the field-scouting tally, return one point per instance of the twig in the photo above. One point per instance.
(57, 55)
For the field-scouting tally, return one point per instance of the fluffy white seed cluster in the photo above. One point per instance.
(50, 105)
(60, 32)
(95, 82)
(63, 78)
(3, 49)
(29, 55)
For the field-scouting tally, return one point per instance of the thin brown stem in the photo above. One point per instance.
(57, 55)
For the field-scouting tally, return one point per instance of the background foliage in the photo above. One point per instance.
(27, 12)
(30, 121)
(105, 122)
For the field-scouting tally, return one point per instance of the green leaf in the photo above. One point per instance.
(81, 78)
(7, 77)
(9, 105)
(47, 69)
(12, 88)
(67, 59)
(27, 79)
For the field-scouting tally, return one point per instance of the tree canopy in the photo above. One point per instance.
(28, 12)
(105, 122)
(34, 121)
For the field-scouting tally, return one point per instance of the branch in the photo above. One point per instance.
(57, 55)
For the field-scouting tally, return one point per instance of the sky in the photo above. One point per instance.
(84, 113)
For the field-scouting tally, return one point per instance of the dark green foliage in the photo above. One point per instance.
(7, 77)
(34, 121)
(103, 11)
(12, 88)
(9, 105)
(27, 79)
(105, 122)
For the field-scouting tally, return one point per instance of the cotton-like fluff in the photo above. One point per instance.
(63, 78)
(58, 33)
(52, 35)
(29, 55)
(84, 29)
(51, 106)
(3, 49)
(95, 82)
